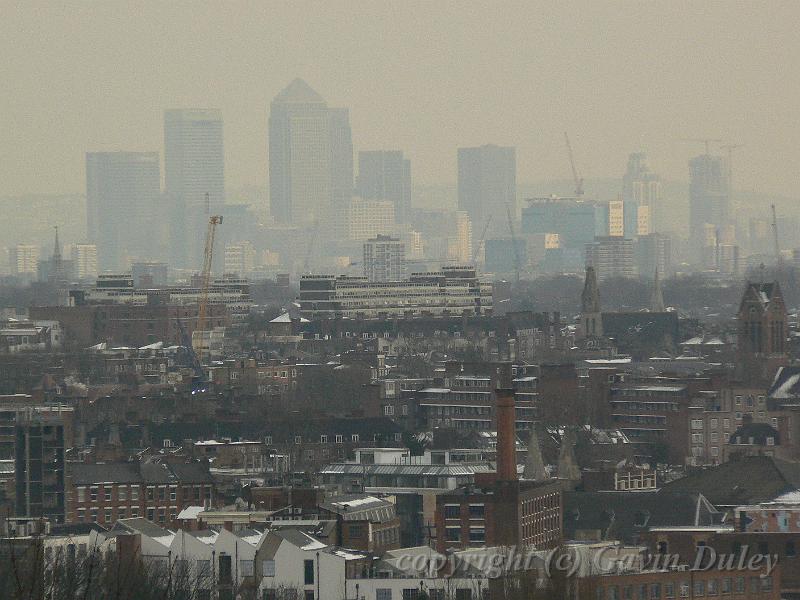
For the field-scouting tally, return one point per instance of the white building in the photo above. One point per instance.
(384, 259)
(240, 258)
(84, 257)
(24, 259)
(366, 219)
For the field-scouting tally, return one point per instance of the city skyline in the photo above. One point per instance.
(647, 93)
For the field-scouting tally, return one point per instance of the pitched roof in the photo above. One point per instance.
(625, 515)
(298, 91)
(786, 384)
(749, 480)
(116, 472)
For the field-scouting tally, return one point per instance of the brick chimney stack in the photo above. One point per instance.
(506, 435)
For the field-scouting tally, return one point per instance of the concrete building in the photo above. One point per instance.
(194, 180)
(611, 257)
(641, 189)
(572, 222)
(384, 259)
(709, 204)
(386, 175)
(24, 259)
(123, 193)
(360, 219)
(84, 257)
(240, 258)
(452, 291)
(487, 186)
(310, 156)
(654, 253)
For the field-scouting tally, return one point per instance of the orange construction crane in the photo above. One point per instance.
(205, 279)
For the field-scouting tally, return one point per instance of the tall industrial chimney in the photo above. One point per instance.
(506, 435)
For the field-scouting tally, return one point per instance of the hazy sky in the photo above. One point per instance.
(422, 77)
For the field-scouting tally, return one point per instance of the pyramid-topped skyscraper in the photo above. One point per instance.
(310, 156)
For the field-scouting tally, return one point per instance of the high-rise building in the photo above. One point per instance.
(460, 247)
(39, 466)
(84, 257)
(611, 257)
(384, 259)
(240, 258)
(24, 259)
(654, 253)
(386, 175)
(310, 156)
(487, 187)
(709, 202)
(123, 190)
(641, 189)
(364, 219)
(194, 181)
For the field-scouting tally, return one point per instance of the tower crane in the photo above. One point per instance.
(578, 180)
(481, 240)
(513, 243)
(205, 283)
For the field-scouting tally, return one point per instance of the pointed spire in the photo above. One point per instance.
(657, 298)
(590, 298)
(567, 463)
(534, 463)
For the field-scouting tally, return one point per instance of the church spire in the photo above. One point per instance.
(534, 463)
(657, 298)
(590, 298)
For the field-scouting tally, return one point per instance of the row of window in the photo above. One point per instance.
(124, 493)
(700, 588)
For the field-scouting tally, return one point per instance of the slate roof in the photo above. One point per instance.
(748, 480)
(758, 431)
(626, 515)
(360, 507)
(786, 384)
(133, 472)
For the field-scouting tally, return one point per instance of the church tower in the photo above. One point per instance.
(591, 317)
(657, 297)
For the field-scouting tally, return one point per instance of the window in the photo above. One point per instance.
(463, 594)
(739, 585)
(766, 583)
(93, 493)
(476, 511)
(107, 516)
(655, 591)
(388, 410)
(246, 568)
(203, 569)
(669, 590)
(323, 439)
(791, 551)
(477, 535)
(81, 515)
(627, 592)
(308, 572)
(81, 494)
(410, 593)
(383, 594)
(452, 511)
(600, 593)
(452, 534)
(699, 588)
(134, 492)
(697, 423)
(713, 587)
(354, 437)
(298, 439)
(268, 568)
(135, 512)
(122, 492)
(714, 423)
(613, 592)
(225, 569)
(684, 589)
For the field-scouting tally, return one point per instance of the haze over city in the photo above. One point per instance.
(428, 78)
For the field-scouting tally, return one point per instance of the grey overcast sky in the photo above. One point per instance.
(425, 77)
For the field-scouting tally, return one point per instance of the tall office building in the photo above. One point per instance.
(709, 204)
(123, 190)
(310, 156)
(386, 175)
(24, 259)
(194, 181)
(384, 259)
(84, 256)
(611, 257)
(641, 190)
(487, 187)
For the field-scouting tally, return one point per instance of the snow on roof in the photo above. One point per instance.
(190, 512)
(165, 540)
(348, 554)
(312, 544)
(286, 318)
(357, 501)
(252, 539)
(785, 389)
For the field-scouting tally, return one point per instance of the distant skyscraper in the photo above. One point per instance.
(386, 175)
(641, 189)
(310, 156)
(611, 257)
(123, 190)
(709, 203)
(384, 259)
(84, 256)
(24, 259)
(194, 166)
(487, 187)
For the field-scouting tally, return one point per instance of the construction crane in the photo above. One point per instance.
(775, 234)
(513, 243)
(205, 283)
(481, 240)
(578, 180)
(706, 141)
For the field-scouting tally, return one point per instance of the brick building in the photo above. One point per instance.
(104, 492)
